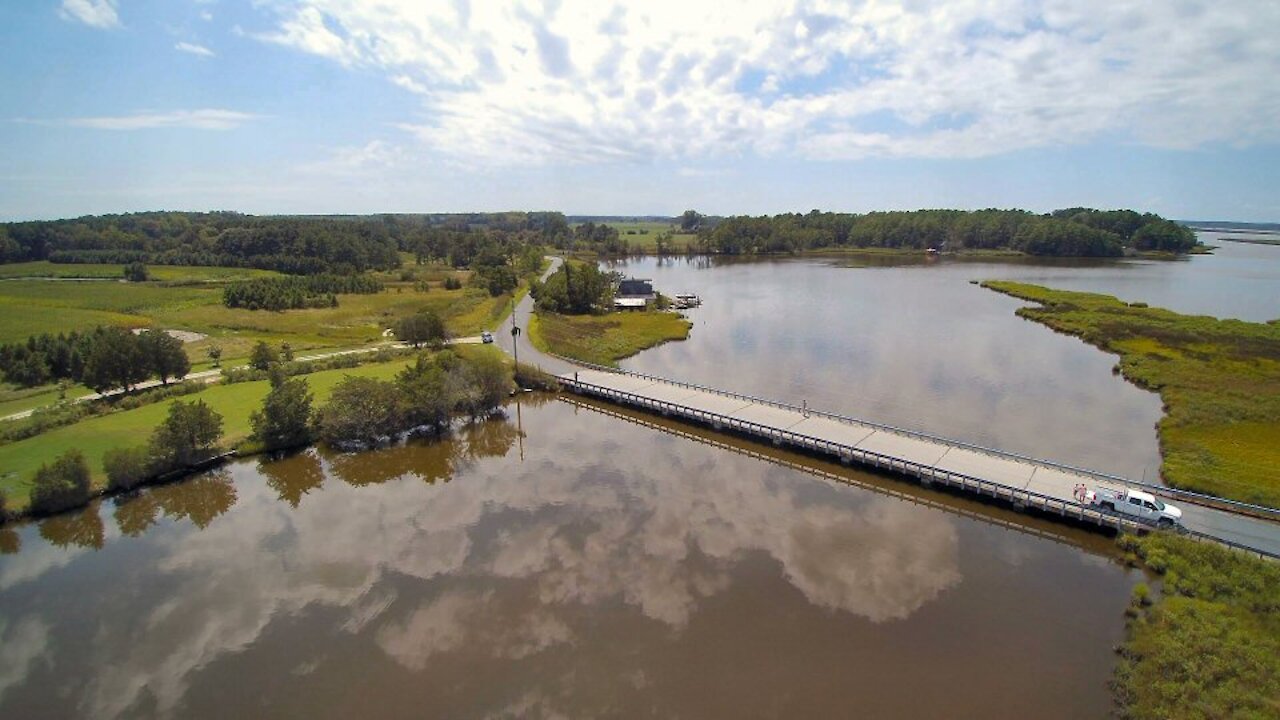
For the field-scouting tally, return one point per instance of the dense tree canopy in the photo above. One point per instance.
(1071, 232)
(301, 245)
(575, 289)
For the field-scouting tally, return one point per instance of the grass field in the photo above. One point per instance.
(1219, 380)
(161, 273)
(191, 299)
(1209, 645)
(642, 237)
(93, 437)
(605, 339)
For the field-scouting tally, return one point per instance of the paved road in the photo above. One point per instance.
(527, 352)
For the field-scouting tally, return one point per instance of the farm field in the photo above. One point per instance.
(642, 237)
(190, 299)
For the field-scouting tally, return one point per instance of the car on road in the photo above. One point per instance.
(486, 337)
(1141, 505)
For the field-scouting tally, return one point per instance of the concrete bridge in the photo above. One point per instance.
(1020, 481)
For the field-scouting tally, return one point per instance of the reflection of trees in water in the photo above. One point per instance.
(428, 458)
(136, 512)
(200, 499)
(293, 476)
(484, 438)
(10, 542)
(80, 529)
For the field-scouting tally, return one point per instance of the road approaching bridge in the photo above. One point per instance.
(1020, 481)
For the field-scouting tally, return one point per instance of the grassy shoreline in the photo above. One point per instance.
(605, 339)
(1208, 645)
(1219, 381)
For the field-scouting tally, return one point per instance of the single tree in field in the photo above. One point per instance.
(286, 352)
(285, 418)
(215, 354)
(690, 220)
(167, 357)
(423, 327)
(263, 356)
(117, 359)
(188, 435)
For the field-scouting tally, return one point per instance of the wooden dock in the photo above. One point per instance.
(1019, 481)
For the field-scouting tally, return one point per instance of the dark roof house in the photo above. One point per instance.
(632, 287)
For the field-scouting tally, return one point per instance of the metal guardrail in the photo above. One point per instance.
(1198, 498)
(1017, 496)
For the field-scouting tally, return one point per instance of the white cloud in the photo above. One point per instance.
(194, 49)
(205, 119)
(585, 81)
(95, 13)
(371, 157)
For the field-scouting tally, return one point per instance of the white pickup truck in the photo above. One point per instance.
(1141, 505)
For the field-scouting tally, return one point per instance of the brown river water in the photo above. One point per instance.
(576, 560)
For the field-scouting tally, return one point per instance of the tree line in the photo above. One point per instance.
(297, 245)
(1071, 232)
(105, 358)
(284, 293)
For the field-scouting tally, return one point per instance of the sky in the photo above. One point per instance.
(597, 107)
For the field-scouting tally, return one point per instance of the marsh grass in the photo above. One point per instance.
(605, 339)
(1219, 380)
(1209, 646)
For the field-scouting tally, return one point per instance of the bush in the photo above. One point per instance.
(62, 485)
(135, 272)
(126, 468)
(452, 283)
(263, 356)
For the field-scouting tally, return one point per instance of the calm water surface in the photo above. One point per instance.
(589, 567)
(574, 561)
(919, 346)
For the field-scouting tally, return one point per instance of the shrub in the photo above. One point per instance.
(135, 272)
(263, 356)
(452, 283)
(126, 468)
(62, 485)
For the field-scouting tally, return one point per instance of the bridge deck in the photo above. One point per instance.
(1022, 482)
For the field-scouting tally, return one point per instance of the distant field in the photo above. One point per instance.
(643, 236)
(192, 300)
(163, 273)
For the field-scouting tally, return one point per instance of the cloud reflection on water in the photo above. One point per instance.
(505, 560)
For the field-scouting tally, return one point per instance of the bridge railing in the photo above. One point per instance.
(1198, 498)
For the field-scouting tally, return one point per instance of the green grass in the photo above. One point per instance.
(1209, 647)
(93, 437)
(158, 273)
(1219, 380)
(16, 400)
(642, 237)
(605, 339)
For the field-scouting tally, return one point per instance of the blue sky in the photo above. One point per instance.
(592, 107)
